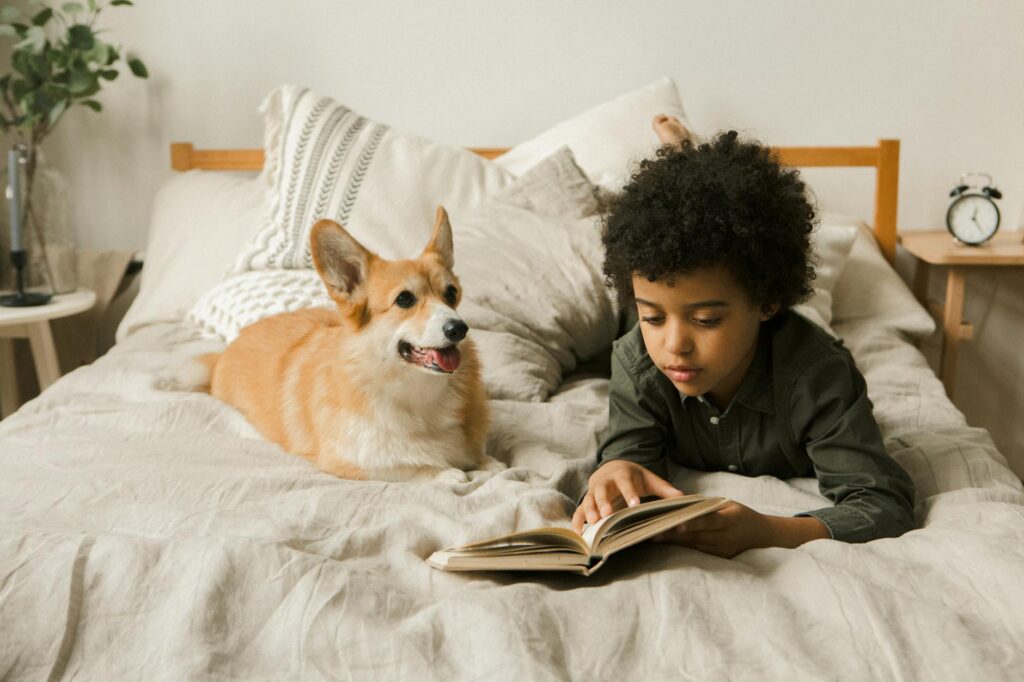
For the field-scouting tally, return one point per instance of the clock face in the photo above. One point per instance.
(973, 218)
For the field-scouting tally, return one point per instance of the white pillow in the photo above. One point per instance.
(529, 261)
(830, 243)
(869, 288)
(325, 161)
(199, 219)
(607, 139)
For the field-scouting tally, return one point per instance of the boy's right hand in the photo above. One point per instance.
(616, 482)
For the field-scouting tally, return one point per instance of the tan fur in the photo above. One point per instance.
(329, 385)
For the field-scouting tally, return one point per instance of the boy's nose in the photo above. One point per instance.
(678, 341)
(455, 330)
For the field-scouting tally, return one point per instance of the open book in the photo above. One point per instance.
(562, 549)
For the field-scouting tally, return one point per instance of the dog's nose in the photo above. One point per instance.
(455, 330)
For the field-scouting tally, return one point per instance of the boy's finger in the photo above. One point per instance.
(604, 505)
(577, 519)
(628, 490)
(590, 511)
(656, 485)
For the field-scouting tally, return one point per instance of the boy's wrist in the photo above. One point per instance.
(793, 531)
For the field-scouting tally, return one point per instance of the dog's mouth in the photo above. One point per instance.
(444, 360)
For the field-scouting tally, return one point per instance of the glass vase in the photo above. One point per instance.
(46, 232)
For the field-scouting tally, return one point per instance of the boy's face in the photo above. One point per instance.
(700, 330)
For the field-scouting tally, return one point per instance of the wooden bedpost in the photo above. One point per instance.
(181, 156)
(887, 179)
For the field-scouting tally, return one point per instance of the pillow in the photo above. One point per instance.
(530, 267)
(323, 160)
(830, 243)
(249, 297)
(607, 139)
(529, 261)
(199, 218)
(869, 288)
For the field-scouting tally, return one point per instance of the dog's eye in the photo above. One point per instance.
(406, 299)
(450, 294)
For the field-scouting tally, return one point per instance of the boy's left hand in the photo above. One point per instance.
(725, 533)
(737, 528)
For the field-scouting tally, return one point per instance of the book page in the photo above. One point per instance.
(633, 515)
(632, 530)
(554, 561)
(562, 538)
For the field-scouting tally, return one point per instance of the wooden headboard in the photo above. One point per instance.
(884, 158)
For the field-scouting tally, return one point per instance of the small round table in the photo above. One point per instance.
(34, 324)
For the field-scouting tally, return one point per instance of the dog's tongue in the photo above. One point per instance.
(446, 358)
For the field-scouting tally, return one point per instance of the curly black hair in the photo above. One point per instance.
(724, 202)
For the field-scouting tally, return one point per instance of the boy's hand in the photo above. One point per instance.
(616, 483)
(737, 528)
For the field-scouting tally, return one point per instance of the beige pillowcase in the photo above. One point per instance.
(530, 265)
(869, 288)
(199, 219)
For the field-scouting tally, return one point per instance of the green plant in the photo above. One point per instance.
(59, 60)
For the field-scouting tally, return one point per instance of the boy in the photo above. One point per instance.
(713, 242)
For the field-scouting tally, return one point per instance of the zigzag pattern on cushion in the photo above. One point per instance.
(320, 161)
(243, 299)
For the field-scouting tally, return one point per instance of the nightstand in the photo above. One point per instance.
(34, 324)
(1005, 249)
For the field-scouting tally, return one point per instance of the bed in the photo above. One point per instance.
(152, 534)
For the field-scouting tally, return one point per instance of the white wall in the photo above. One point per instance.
(944, 76)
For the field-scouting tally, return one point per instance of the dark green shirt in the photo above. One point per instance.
(801, 410)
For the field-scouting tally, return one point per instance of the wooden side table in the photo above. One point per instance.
(939, 248)
(34, 324)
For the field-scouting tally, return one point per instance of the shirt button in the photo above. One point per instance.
(733, 467)
(714, 420)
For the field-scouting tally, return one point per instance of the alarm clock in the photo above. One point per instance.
(973, 217)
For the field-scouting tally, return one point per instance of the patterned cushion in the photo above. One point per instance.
(323, 160)
(243, 299)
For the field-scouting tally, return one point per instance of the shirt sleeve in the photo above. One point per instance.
(831, 415)
(635, 431)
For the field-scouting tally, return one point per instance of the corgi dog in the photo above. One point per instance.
(385, 387)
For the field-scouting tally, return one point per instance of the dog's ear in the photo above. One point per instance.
(441, 241)
(341, 261)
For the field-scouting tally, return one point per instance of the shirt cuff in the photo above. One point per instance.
(846, 524)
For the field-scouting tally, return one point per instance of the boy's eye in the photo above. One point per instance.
(406, 299)
(450, 294)
(707, 321)
(653, 320)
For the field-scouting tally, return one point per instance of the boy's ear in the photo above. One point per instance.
(340, 260)
(441, 241)
(769, 310)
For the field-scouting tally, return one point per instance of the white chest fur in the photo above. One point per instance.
(412, 422)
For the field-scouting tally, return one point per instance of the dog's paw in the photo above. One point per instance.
(492, 465)
(452, 476)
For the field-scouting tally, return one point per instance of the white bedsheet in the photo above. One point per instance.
(154, 535)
